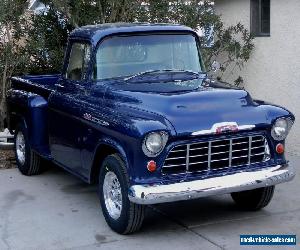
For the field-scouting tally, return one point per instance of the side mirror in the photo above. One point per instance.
(215, 66)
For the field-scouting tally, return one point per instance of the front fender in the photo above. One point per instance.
(107, 141)
(106, 146)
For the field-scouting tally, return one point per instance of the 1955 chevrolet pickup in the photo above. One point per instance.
(135, 112)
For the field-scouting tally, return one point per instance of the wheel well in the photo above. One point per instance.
(101, 153)
(13, 121)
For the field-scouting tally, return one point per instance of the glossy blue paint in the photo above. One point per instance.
(95, 33)
(32, 110)
(69, 123)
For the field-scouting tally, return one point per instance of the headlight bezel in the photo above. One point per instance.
(277, 125)
(164, 136)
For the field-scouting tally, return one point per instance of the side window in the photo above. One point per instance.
(78, 61)
(260, 17)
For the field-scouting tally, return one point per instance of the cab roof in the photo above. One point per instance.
(95, 33)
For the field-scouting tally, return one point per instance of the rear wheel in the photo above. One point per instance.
(28, 162)
(254, 199)
(121, 215)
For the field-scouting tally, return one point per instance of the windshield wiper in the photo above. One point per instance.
(161, 71)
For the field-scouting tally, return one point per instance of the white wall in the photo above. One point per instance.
(273, 72)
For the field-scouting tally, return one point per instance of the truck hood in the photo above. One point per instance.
(202, 110)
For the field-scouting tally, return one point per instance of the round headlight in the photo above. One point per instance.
(154, 143)
(281, 129)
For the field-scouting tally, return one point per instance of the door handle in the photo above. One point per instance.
(59, 86)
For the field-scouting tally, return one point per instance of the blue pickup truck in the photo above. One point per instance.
(135, 113)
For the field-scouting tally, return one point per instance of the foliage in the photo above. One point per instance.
(40, 40)
(46, 41)
(12, 52)
(231, 46)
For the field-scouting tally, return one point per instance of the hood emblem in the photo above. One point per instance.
(227, 128)
(91, 118)
(223, 127)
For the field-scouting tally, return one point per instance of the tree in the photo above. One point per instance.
(47, 37)
(12, 56)
(231, 46)
(49, 31)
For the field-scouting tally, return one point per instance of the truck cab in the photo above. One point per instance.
(135, 112)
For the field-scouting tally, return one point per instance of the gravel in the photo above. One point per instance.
(7, 159)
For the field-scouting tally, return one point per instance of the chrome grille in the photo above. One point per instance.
(216, 154)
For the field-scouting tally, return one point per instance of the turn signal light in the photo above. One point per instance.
(280, 148)
(151, 166)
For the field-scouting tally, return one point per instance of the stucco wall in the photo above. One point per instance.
(273, 72)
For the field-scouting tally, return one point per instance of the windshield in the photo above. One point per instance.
(123, 56)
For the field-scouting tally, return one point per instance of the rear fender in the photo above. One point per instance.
(32, 110)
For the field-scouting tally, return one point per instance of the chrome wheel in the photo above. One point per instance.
(20, 147)
(112, 195)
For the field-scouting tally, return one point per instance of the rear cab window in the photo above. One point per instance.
(78, 63)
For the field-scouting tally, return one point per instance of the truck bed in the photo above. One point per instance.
(39, 84)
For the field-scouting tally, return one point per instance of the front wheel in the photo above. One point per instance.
(121, 215)
(254, 199)
(28, 162)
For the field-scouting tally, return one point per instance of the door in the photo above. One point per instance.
(65, 109)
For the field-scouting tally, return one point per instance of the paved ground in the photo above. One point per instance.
(57, 211)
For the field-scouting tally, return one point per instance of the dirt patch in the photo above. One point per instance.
(7, 159)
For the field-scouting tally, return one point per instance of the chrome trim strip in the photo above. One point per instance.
(153, 194)
(213, 129)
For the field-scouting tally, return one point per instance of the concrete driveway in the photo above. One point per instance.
(57, 211)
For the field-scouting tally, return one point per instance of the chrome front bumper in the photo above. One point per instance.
(153, 194)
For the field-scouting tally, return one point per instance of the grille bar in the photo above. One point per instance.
(178, 165)
(249, 151)
(187, 157)
(197, 148)
(217, 154)
(182, 150)
(174, 158)
(209, 155)
(198, 162)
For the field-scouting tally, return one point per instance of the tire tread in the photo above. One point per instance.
(134, 218)
(137, 212)
(254, 199)
(32, 165)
